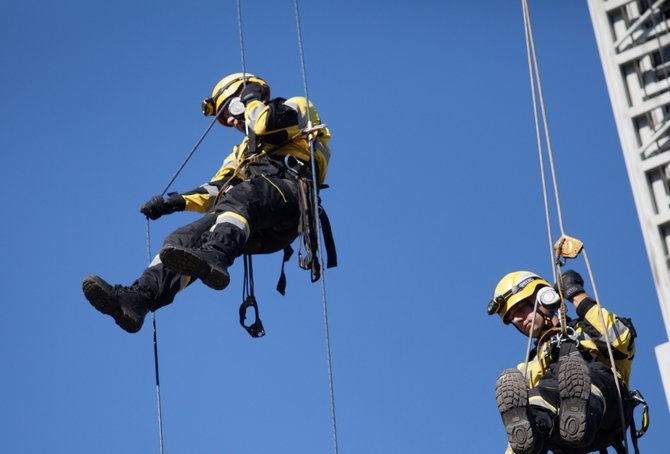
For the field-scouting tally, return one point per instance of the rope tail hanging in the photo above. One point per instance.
(315, 187)
(155, 345)
(148, 237)
(538, 100)
(149, 259)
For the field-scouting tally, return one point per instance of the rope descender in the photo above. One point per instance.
(567, 247)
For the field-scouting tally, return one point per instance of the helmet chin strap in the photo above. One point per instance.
(548, 320)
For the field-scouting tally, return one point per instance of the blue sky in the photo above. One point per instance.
(435, 194)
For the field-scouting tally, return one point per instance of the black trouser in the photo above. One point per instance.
(604, 414)
(256, 216)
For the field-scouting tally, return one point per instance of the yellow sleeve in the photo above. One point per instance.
(201, 199)
(619, 334)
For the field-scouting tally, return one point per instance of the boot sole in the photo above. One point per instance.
(103, 302)
(574, 384)
(184, 262)
(512, 400)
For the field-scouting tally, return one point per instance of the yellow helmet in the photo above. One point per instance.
(227, 88)
(512, 289)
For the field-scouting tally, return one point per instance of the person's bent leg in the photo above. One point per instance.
(513, 403)
(263, 202)
(155, 288)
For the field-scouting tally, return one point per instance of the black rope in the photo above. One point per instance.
(156, 368)
(190, 155)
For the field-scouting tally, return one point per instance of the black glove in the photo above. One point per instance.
(157, 206)
(571, 284)
(253, 92)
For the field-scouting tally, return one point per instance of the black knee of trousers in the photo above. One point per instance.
(160, 285)
(190, 235)
(594, 419)
(543, 420)
(227, 239)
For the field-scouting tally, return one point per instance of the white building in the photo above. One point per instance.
(634, 43)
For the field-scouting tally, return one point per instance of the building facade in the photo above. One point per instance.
(633, 39)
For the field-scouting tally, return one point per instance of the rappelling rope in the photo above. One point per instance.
(609, 350)
(534, 72)
(243, 60)
(556, 267)
(241, 33)
(538, 136)
(316, 208)
(315, 187)
(156, 369)
(148, 228)
(149, 259)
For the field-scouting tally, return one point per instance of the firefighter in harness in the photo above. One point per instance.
(252, 205)
(567, 400)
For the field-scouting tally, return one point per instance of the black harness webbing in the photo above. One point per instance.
(308, 229)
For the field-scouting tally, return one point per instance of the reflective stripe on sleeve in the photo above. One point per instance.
(211, 189)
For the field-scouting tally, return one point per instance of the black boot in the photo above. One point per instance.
(207, 264)
(126, 305)
(512, 400)
(574, 383)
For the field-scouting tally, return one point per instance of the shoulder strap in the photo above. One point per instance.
(328, 240)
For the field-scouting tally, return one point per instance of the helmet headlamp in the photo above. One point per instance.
(208, 106)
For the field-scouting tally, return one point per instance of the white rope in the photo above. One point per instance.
(315, 195)
(615, 373)
(538, 134)
(535, 80)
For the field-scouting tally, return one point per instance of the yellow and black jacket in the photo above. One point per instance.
(591, 339)
(592, 343)
(276, 127)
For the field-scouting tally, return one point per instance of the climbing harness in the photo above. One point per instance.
(567, 247)
(308, 224)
